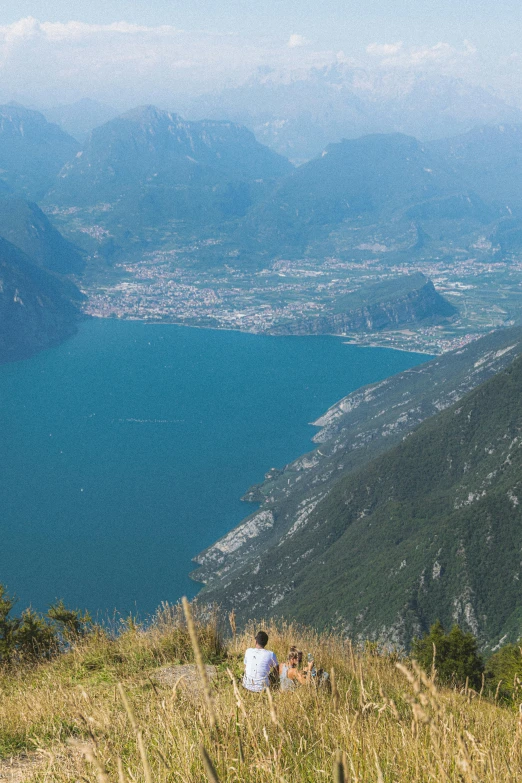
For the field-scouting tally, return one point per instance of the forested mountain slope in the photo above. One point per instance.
(428, 529)
(24, 224)
(37, 308)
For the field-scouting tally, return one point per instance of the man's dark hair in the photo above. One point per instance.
(262, 638)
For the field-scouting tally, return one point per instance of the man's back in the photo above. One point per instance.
(258, 663)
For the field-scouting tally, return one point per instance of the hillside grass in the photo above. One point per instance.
(98, 712)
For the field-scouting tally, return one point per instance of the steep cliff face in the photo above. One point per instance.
(411, 299)
(37, 309)
(385, 544)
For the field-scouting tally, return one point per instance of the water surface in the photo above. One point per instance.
(124, 451)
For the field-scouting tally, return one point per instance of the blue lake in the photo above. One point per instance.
(124, 451)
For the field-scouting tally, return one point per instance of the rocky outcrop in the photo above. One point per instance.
(379, 308)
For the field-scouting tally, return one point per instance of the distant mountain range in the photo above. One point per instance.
(389, 525)
(151, 171)
(32, 151)
(151, 167)
(374, 178)
(298, 114)
(149, 175)
(395, 187)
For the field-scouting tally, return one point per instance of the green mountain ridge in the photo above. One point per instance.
(37, 308)
(149, 176)
(25, 225)
(409, 199)
(375, 174)
(389, 525)
(149, 168)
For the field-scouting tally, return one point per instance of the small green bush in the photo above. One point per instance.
(453, 655)
(34, 637)
(504, 673)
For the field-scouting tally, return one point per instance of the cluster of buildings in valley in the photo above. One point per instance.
(430, 340)
(163, 287)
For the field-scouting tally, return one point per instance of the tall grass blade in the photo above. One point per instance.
(144, 760)
(338, 773)
(199, 661)
(209, 767)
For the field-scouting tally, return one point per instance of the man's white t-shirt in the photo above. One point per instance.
(258, 663)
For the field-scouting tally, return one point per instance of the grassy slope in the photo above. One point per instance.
(389, 725)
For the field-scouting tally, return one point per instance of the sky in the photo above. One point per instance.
(119, 52)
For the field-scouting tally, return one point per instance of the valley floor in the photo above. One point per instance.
(169, 287)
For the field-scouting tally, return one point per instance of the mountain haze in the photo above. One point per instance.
(78, 119)
(150, 167)
(299, 113)
(489, 160)
(32, 151)
(373, 177)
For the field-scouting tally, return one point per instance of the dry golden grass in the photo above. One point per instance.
(97, 713)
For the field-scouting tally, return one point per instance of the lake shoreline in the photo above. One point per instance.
(105, 501)
(344, 337)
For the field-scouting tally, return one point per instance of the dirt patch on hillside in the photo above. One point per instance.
(185, 676)
(20, 768)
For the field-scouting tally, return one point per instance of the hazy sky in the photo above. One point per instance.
(328, 23)
(121, 51)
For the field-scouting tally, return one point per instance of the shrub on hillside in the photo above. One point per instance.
(453, 655)
(504, 672)
(71, 624)
(33, 636)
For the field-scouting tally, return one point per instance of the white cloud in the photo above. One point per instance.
(442, 55)
(121, 63)
(49, 61)
(29, 27)
(383, 50)
(296, 40)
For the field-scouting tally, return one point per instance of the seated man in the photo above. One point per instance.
(258, 663)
